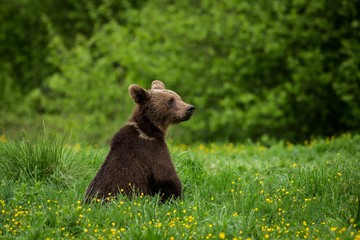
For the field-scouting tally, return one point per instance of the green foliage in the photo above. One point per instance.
(231, 191)
(254, 69)
(22, 39)
(25, 33)
(88, 80)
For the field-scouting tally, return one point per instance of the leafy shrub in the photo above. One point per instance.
(281, 69)
(253, 69)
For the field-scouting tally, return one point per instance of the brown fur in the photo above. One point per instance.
(139, 159)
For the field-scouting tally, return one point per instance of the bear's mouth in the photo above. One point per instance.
(186, 117)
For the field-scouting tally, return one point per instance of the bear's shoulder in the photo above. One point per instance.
(132, 134)
(125, 135)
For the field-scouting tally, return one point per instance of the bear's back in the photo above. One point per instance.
(133, 162)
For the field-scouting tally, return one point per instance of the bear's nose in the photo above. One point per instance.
(190, 108)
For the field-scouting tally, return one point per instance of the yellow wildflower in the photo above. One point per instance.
(3, 138)
(222, 235)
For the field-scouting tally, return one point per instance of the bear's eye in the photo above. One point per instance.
(171, 101)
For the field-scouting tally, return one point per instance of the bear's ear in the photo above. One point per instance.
(138, 94)
(157, 84)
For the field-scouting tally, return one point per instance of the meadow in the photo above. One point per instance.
(231, 191)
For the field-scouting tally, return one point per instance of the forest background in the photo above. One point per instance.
(254, 69)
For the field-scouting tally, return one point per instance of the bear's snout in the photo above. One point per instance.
(190, 109)
(188, 113)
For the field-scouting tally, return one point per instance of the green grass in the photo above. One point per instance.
(230, 192)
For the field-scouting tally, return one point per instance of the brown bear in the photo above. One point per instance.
(139, 161)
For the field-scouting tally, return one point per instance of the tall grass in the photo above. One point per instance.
(47, 159)
(308, 191)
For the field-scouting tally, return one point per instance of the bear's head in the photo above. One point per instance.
(161, 106)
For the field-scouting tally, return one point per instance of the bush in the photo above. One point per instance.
(253, 69)
(281, 69)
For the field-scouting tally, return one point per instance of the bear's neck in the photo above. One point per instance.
(146, 126)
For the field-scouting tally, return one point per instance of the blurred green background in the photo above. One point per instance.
(254, 69)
